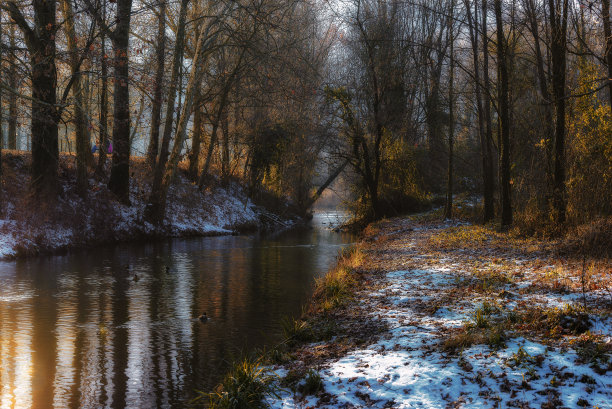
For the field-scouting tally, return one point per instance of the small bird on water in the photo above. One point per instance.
(203, 317)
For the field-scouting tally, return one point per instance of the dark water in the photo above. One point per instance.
(81, 331)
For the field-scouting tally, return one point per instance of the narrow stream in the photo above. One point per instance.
(116, 327)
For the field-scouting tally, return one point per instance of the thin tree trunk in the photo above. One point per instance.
(558, 19)
(225, 160)
(448, 210)
(485, 146)
(196, 141)
(489, 177)
(213, 137)
(103, 137)
(325, 185)
(503, 96)
(179, 47)
(607, 23)
(157, 208)
(137, 121)
(1, 117)
(119, 182)
(158, 87)
(81, 130)
(12, 80)
(546, 100)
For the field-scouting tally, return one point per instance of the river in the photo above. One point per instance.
(116, 326)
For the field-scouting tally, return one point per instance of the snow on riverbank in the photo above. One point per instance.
(73, 222)
(426, 305)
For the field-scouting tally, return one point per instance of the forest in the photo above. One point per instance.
(410, 100)
(412, 198)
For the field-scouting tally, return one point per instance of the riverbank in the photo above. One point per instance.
(431, 314)
(28, 227)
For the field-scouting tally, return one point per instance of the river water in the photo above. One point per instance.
(116, 326)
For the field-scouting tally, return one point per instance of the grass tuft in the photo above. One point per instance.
(313, 383)
(246, 386)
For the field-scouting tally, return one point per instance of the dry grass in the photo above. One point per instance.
(337, 286)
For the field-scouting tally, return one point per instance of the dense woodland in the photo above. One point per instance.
(408, 100)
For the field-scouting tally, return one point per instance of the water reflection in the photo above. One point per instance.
(114, 327)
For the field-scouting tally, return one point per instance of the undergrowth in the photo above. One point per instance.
(246, 386)
(335, 287)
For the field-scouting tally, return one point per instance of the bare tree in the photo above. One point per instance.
(160, 52)
(558, 10)
(40, 41)
(80, 113)
(504, 116)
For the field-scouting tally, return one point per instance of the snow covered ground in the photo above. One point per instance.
(415, 364)
(101, 219)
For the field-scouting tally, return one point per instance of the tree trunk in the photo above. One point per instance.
(485, 146)
(558, 20)
(41, 46)
(12, 80)
(503, 103)
(211, 148)
(158, 87)
(489, 179)
(155, 208)
(80, 116)
(605, 14)
(1, 118)
(448, 209)
(546, 100)
(196, 141)
(119, 182)
(213, 137)
(103, 137)
(325, 185)
(225, 160)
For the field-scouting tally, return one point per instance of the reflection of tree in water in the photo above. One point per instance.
(95, 336)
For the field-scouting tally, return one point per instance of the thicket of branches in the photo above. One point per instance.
(510, 99)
